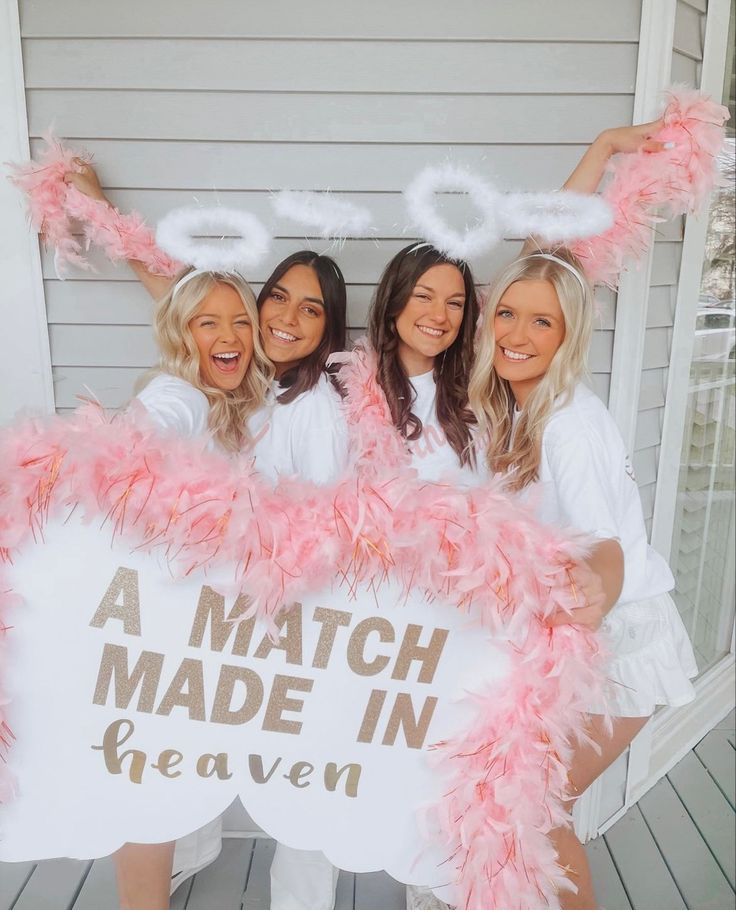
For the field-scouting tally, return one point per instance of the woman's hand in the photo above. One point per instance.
(628, 139)
(590, 595)
(86, 181)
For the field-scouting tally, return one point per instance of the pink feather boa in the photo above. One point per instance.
(645, 189)
(56, 207)
(506, 775)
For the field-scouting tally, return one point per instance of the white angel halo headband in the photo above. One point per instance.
(557, 217)
(552, 258)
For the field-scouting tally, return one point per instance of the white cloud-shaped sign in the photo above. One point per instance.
(141, 712)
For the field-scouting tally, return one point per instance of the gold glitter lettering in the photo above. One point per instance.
(209, 765)
(291, 643)
(279, 702)
(331, 620)
(428, 656)
(402, 717)
(371, 716)
(333, 775)
(255, 766)
(123, 585)
(222, 711)
(357, 643)
(111, 742)
(211, 606)
(299, 770)
(167, 760)
(188, 675)
(146, 673)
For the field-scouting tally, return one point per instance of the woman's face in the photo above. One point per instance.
(530, 327)
(432, 317)
(293, 318)
(223, 334)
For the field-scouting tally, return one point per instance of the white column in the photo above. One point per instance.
(25, 361)
(656, 38)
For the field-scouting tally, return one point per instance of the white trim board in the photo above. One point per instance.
(25, 361)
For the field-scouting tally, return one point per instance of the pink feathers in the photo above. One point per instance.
(645, 189)
(56, 208)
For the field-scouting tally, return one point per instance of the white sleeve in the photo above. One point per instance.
(319, 438)
(585, 487)
(174, 405)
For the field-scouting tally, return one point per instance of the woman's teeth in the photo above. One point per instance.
(283, 336)
(228, 362)
(515, 355)
(435, 333)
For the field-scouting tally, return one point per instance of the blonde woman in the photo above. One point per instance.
(211, 378)
(550, 436)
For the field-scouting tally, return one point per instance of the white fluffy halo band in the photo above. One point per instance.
(421, 206)
(553, 217)
(240, 242)
(329, 216)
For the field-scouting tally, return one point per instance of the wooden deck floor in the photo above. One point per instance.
(674, 850)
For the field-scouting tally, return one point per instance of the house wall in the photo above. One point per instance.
(226, 102)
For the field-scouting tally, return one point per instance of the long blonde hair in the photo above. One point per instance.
(515, 450)
(229, 410)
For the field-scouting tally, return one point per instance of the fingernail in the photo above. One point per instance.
(669, 145)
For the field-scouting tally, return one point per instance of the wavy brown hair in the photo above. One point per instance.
(451, 368)
(306, 374)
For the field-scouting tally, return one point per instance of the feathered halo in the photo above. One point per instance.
(330, 217)
(557, 217)
(240, 241)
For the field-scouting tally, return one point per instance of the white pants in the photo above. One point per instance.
(300, 879)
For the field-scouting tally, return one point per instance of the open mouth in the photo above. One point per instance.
(281, 336)
(226, 363)
(432, 333)
(515, 356)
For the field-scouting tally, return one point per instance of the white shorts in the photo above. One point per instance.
(651, 658)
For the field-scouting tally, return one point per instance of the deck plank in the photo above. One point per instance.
(709, 810)
(258, 886)
(345, 894)
(99, 891)
(376, 889)
(691, 864)
(717, 754)
(640, 864)
(13, 879)
(180, 897)
(53, 885)
(609, 891)
(220, 886)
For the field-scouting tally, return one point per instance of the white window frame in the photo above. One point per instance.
(25, 359)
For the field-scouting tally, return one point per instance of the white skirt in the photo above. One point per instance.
(651, 658)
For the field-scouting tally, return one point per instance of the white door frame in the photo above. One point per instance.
(654, 66)
(25, 360)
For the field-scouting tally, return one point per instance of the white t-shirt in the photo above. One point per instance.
(586, 483)
(305, 437)
(432, 456)
(175, 405)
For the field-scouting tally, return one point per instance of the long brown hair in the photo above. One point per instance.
(307, 372)
(451, 368)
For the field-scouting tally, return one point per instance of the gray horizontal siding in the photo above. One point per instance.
(409, 20)
(242, 65)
